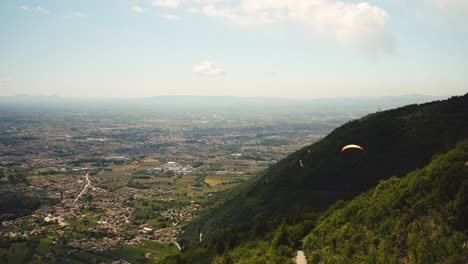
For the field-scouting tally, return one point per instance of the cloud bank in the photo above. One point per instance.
(208, 68)
(36, 9)
(137, 9)
(358, 25)
(167, 3)
(170, 17)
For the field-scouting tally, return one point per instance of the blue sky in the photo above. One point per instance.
(278, 48)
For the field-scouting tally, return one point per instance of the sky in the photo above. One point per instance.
(250, 48)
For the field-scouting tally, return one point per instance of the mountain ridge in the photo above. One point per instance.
(396, 141)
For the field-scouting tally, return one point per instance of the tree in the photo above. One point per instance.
(281, 237)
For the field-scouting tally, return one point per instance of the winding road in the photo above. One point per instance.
(84, 189)
(177, 245)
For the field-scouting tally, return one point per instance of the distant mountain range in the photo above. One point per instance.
(211, 103)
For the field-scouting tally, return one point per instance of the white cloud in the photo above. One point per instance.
(204, 2)
(193, 10)
(208, 68)
(171, 17)
(36, 9)
(167, 3)
(354, 24)
(137, 9)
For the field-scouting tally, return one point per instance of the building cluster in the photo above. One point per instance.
(182, 215)
(166, 235)
(171, 167)
(96, 245)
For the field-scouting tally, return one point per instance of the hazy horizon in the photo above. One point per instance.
(211, 104)
(228, 96)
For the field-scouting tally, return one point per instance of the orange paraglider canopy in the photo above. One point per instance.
(352, 146)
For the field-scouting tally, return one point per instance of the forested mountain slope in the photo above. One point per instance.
(420, 218)
(396, 142)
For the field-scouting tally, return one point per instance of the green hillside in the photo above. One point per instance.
(420, 218)
(396, 142)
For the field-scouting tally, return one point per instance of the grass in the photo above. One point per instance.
(129, 253)
(123, 167)
(88, 257)
(154, 223)
(4, 254)
(44, 246)
(17, 253)
(213, 180)
(133, 254)
(78, 224)
(106, 174)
